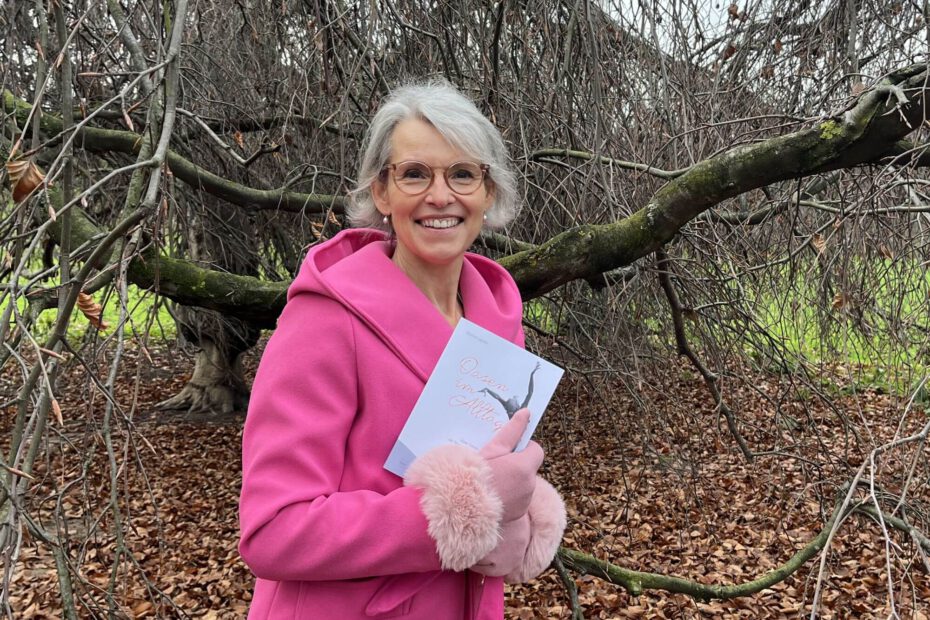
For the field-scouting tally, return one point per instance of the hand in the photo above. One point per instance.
(528, 544)
(507, 556)
(514, 473)
(468, 496)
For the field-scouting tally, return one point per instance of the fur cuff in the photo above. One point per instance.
(460, 504)
(547, 525)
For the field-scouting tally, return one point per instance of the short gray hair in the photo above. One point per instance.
(458, 120)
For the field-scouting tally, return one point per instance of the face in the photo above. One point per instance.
(434, 228)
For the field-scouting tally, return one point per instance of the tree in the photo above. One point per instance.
(751, 150)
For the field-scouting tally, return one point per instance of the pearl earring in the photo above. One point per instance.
(385, 220)
(485, 217)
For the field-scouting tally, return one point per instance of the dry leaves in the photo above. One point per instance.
(92, 310)
(819, 243)
(25, 177)
(56, 409)
(647, 492)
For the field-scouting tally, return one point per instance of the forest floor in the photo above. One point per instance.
(653, 484)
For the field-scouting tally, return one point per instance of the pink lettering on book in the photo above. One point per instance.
(470, 368)
(478, 408)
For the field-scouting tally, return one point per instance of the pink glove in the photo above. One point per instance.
(467, 495)
(529, 543)
(507, 556)
(514, 473)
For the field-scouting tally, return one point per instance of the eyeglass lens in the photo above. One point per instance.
(414, 177)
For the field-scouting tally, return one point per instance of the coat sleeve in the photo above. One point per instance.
(295, 524)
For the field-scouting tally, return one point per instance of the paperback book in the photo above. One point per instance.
(479, 382)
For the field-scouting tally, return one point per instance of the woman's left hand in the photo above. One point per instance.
(507, 556)
(529, 542)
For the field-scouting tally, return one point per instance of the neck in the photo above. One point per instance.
(440, 283)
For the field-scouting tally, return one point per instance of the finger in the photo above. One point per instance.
(506, 439)
(509, 435)
(533, 455)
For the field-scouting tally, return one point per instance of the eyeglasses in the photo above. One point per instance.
(415, 177)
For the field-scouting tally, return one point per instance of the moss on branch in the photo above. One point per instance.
(248, 298)
(636, 582)
(251, 299)
(861, 135)
(111, 140)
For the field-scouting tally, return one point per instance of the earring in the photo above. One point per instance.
(385, 220)
(485, 217)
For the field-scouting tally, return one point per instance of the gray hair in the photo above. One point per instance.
(458, 120)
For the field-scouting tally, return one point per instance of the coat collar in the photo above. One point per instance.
(355, 267)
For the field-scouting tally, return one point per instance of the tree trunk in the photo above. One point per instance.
(217, 383)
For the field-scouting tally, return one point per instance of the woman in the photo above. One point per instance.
(328, 532)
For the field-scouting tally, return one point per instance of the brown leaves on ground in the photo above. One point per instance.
(659, 488)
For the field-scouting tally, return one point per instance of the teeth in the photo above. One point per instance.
(444, 223)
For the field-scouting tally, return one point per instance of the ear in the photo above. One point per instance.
(379, 196)
(491, 194)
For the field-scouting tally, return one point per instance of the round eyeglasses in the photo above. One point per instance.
(415, 177)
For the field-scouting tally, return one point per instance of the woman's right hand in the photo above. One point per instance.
(514, 472)
(469, 497)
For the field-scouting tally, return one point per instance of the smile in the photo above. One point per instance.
(446, 222)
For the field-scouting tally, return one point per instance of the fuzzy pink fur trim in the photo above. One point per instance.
(460, 503)
(547, 526)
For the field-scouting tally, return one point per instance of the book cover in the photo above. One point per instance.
(479, 382)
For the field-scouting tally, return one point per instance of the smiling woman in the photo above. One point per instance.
(326, 529)
(436, 226)
(434, 217)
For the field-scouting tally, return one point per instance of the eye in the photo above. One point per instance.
(413, 172)
(464, 172)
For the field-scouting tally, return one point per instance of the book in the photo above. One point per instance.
(479, 382)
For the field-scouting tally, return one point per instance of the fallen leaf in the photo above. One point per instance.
(56, 408)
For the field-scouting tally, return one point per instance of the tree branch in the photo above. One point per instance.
(584, 252)
(112, 140)
(629, 165)
(247, 298)
(710, 379)
(861, 135)
(908, 153)
(636, 582)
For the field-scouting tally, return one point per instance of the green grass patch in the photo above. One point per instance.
(144, 316)
(539, 312)
(877, 332)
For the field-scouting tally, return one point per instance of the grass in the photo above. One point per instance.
(791, 310)
(144, 316)
(870, 338)
(864, 332)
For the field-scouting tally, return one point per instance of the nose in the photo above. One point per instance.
(439, 193)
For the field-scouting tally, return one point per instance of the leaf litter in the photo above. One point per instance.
(660, 490)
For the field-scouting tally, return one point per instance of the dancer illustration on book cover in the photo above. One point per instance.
(511, 405)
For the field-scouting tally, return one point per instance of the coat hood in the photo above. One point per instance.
(355, 269)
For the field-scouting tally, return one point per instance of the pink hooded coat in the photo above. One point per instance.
(328, 532)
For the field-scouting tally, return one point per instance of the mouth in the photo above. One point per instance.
(440, 223)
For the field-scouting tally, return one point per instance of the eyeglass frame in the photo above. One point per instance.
(485, 170)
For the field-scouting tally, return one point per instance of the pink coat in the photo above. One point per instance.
(328, 532)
